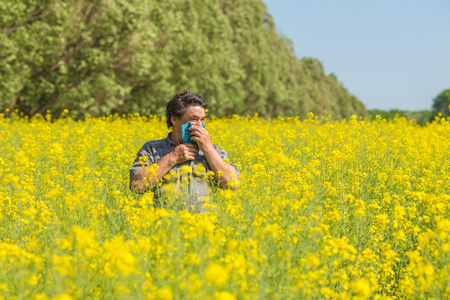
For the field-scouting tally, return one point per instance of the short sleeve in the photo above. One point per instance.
(144, 158)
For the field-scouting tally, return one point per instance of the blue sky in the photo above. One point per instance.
(390, 54)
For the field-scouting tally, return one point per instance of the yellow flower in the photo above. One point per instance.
(361, 288)
(217, 275)
(33, 279)
(224, 296)
(313, 260)
(165, 293)
(64, 296)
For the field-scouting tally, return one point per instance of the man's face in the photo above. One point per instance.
(194, 114)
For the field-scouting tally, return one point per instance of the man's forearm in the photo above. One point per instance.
(223, 171)
(148, 176)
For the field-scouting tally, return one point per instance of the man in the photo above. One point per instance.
(156, 158)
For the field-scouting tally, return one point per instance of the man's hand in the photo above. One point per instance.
(148, 176)
(201, 136)
(223, 172)
(183, 152)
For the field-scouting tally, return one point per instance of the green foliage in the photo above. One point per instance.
(124, 56)
(441, 104)
(421, 117)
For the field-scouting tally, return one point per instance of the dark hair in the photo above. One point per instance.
(178, 105)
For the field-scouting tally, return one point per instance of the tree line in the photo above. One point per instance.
(440, 109)
(124, 56)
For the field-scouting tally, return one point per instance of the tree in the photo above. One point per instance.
(441, 104)
(125, 56)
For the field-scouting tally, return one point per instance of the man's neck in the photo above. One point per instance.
(177, 139)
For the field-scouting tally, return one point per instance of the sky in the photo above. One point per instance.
(390, 54)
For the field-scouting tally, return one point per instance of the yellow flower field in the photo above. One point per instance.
(339, 210)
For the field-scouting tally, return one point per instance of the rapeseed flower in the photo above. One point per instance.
(217, 275)
(349, 209)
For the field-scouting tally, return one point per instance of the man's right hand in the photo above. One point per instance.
(183, 152)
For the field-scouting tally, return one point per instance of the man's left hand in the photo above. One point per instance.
(201, 136)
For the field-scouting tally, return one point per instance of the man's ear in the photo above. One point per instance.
(174, 120)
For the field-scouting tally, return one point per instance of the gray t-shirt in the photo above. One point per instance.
(192, 185)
